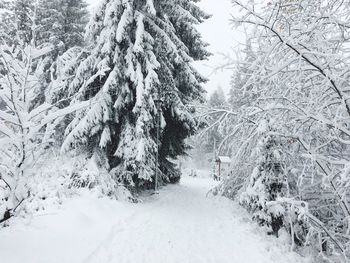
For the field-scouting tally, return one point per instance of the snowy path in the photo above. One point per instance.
(178, 226)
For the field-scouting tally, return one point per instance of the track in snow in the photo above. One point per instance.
(181, 225)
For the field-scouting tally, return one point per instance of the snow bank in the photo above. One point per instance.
(56, 178)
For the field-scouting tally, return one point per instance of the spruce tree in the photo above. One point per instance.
(267, 182)
(217, 99)
(7, 26)
(242, 89)
(141, 51)
(24, 13)
(61, 23)
(59, 26)
(76, 16)
(16, 21)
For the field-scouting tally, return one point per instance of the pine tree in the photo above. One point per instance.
(141, 52)
(76, 17)
(242, 92)
(54, 26)
(61, 23)
(267, 182)
(217, 99)
(16, 21)
(59, 26)
(7, 26)
(24, 14)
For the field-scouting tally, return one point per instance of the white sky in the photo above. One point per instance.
(222, 38)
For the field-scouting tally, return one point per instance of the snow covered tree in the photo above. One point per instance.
(26, 122)
(141, 52)
(7, 26)
(77, 16)
(25, 131)
(61, 23)
(217, 99)
(55, 25)
(298, 75)
(19, 126)
(21, 31)
(17, 20)
(17, 89)
(267, 182)
(240, 93)
(213, 136)
(24, 14)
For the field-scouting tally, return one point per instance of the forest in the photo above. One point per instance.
(103, 113)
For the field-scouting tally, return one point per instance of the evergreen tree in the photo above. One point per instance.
(61, 23)
(267, 182)
(214, 136)
(24, 14)
(217, 99)
(76, 17)
(59, 26)
(6, 20)
(242, 91)
(141, 52)
(16, 21)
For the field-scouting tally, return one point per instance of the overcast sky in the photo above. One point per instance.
(222, 38)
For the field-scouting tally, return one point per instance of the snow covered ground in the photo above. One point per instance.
(180, 224)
